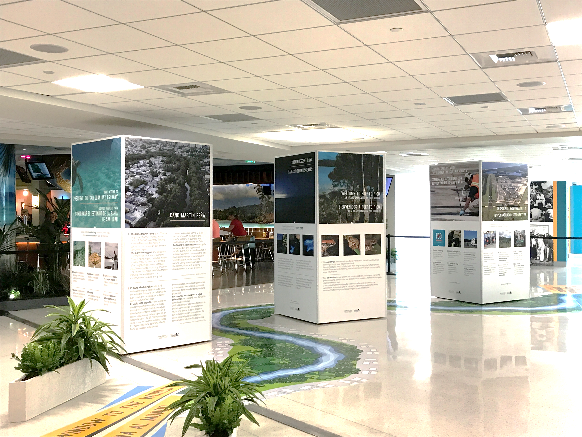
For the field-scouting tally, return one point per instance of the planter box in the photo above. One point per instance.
(27, 399)
(27, 304)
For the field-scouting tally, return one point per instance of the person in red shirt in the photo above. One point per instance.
(236, 227)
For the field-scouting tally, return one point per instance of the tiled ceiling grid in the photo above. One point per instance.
(385, 77)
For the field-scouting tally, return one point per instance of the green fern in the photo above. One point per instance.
(37, 359)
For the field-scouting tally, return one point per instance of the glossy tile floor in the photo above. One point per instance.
(435, 373)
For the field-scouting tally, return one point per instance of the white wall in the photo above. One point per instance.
(412, 202)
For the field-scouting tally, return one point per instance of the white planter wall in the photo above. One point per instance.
(27, 399)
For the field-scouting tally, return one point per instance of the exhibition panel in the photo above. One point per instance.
(151, 267)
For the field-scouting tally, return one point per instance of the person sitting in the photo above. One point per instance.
(236, 227)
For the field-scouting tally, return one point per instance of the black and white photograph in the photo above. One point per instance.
(111, 256)
(541, 201)
(167, 184)
(519, 238)
(541, 246)
(504, 239)
(330, 245)
(352, 245)
(454, 238)
(281, 243)
(504, 191)
(490, 239)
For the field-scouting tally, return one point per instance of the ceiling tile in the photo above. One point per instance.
(312, 40)
(558, 10)
(371, 108)
(355, 99)
(529, 103)
(167, 57)
(421, 111)
(512, 85)
(74, 50)
(11, 79)
(438, 65)
(319, 112)
(204, 109)
(433, 102)
(52, 16)
(208, 5)
(275, 65)
(236, 49)
(292, 105)
(509, 39)
(537, 93)
(307, 78)
(274, 94)
(336, 89)
(208, 72)
(135, 10)
(173, 102)
(574, 81)
(505, 15)
(152, 78)
(118, 38)
(271, 17)
(15, 31)
(406, 95)
(191, 28)
(38, 71)
(390, 84)
(382, 115)
(496, 108)
(129, 106)
(463, 90)
(142, 94)
(105, 64)
(45, 88)
(569, 53)
(225, 99)
(279, 116)
(453, 78)
(437, 5)
(416, 26)
(349, 57)
(162, 114)
(367, 72)
(244, 84)
(523, 72)
(572, 67)
(419, 49)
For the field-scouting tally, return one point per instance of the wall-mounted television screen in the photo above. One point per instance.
(38, 171)
(388, 183)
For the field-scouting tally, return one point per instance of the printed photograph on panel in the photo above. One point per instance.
(470, 239)
(167, 184)
(295, 244)
(330, 245)
(454, 238)
(251, 203)
(542, 246)
(352, 245)
(519, 238)
(504, 191)
(307, 245)
(454, 191)
(504, 239)
(351, 187)
(438, 237)
(96, 184)
(281, 243)
(490, 239)
(79, 253)
(373, 244)
(111, 256)
(295, 185)
(94, 259)
(541, 201)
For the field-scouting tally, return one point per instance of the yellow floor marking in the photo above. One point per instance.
(96, 423)
(573, 289)
(142, 424)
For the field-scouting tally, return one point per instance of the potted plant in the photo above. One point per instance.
(216, 398)
(58, 363)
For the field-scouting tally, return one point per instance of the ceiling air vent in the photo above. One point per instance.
(9, 58)
(476, 99)
(342, 11)
(310, 126)
(229, 118)
(192, 89)
(545, 110)
(519, 57)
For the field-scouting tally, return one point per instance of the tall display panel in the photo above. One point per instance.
(480, 231)
(330, 236)
(141, 238)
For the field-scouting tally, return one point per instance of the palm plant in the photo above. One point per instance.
(80, 335)
(216, 398)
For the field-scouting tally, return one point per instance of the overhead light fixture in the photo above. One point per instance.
(531, 84)
(97, 83)
(25, 192)
(566, 32)
(413, 154)
(49, 48)
(329, 134)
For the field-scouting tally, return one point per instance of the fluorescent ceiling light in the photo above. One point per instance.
(97, 83)
(565, 33)
(327, 135)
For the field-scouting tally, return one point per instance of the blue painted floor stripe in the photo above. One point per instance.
(132, 392)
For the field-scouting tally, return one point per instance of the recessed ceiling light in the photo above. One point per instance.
(97, 83)
(530, 84)
(396, 29)
(48, 72)
(250, 108)
(49, 48)
(565, 33)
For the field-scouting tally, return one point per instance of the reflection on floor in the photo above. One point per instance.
(432, 369)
